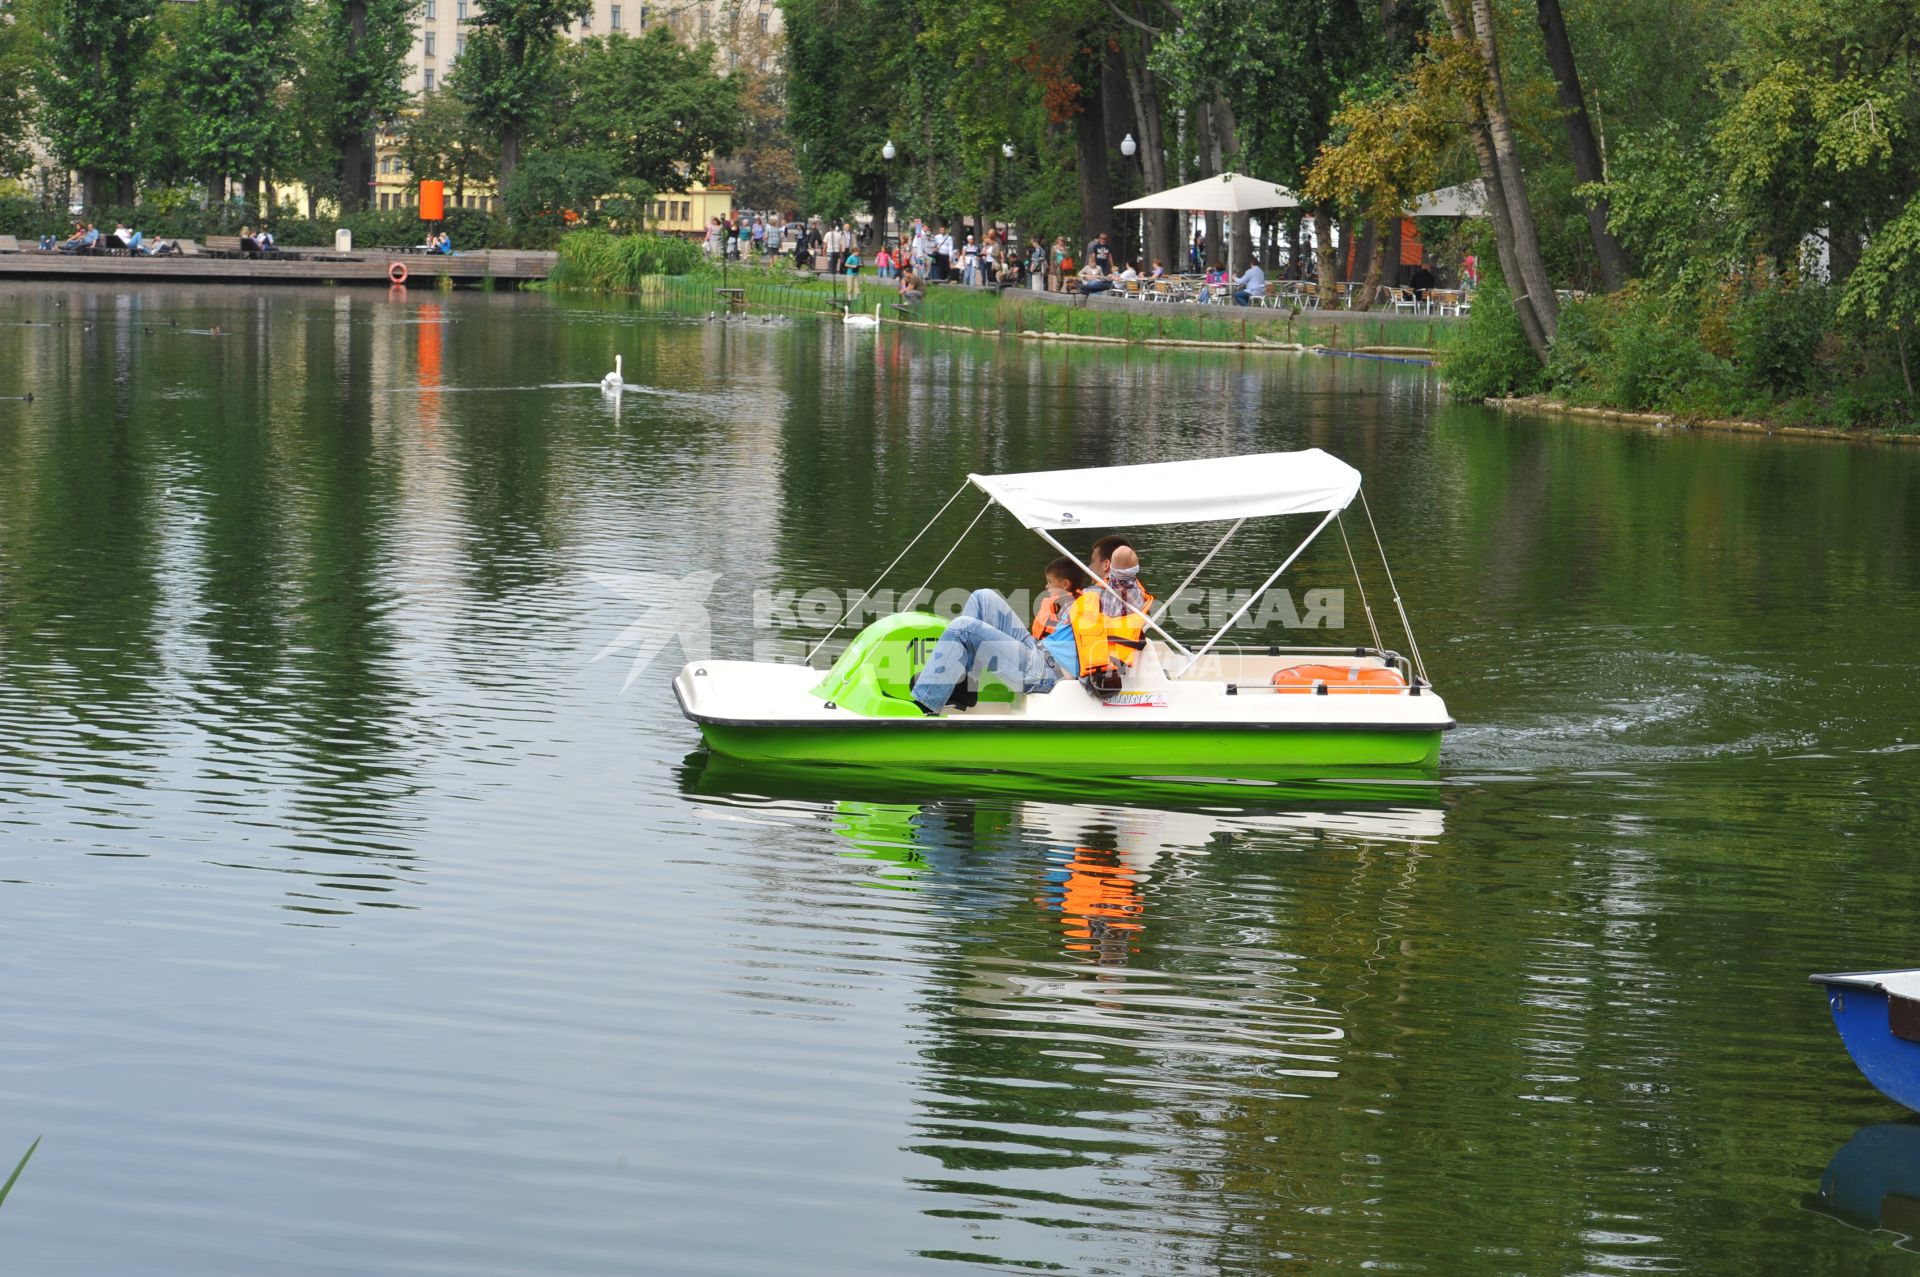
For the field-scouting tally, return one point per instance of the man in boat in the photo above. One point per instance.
(1105, 632)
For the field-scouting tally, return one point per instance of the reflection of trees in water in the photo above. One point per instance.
(1121, 1047)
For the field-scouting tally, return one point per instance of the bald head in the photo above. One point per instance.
(1124, 558)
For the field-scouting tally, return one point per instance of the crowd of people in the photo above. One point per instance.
(933, 253)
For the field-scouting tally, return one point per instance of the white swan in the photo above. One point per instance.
(862, 321)
(613, 382)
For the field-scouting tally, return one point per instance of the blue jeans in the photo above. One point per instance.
(1242, 297)
(987, 637)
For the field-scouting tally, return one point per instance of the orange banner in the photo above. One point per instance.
(433, 201)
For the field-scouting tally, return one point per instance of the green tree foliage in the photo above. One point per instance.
(233, 57)
(761, 168)
(848, 62)
(511, 62)
(549, 185)
(90, 86)
(352, 67)
(19, 54)
(654, 107)
(440, 142)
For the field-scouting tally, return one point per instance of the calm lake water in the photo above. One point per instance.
(357, 921)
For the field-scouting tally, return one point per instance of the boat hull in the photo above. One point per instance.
(1880, 1028)
(1084, 750)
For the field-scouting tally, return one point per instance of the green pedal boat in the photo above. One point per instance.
(1218, 709)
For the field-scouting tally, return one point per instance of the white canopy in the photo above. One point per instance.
(1257, 486)
(1225, 193)
(1469, 199)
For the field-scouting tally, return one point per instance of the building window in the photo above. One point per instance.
(460, 10)
(459, 43)
(614, 20)
(763, 24)
(429, 79)
(643, 17)
(427, 10)
(586, 20)
(429, 49)
(706, 20)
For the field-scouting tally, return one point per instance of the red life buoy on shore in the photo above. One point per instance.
(397, 272)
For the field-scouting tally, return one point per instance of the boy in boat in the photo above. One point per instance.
(1065, 580)
(988, 636)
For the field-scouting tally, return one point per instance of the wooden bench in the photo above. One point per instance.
(8, 244)
(226, 245)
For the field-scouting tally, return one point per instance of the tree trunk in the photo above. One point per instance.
(92, 188)
(356, 173)
(1526, 236)
(1209, 140)
(1614, 266)
(1381, 247)
(1227, 134)
(1162, 231)
(356, 152)
(876, 209)
(1090, 158)
(1363, 266)
(1293, 243)
(509, 155)
(1324, 250)
(1498, 207)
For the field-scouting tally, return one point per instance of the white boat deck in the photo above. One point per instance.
(763, 693)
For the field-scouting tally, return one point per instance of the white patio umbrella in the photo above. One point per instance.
(1469, 199)
(1222, 193)
(1225, 193)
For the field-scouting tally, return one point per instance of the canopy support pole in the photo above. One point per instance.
(1373, 626)
(855, 607)
(1168, 602)
(1095, 577)
(928, 584)
(1268, 585)
(1413, 644)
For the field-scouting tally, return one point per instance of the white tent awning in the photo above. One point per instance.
(1213, 488)
(1225, 193)
(1469, 199)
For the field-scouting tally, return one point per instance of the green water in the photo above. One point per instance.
(357, 921)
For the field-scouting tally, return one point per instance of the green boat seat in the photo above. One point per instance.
(874, 676)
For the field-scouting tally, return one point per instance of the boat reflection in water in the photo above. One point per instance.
(1873, 1182)
(1122, 992)
(1094, 844)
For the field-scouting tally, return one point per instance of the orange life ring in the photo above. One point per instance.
(397, 272)
(1339, 679)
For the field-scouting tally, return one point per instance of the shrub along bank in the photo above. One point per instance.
(1765, 345)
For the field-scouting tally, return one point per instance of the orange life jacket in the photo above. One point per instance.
(1049, 616)
(1106, 642)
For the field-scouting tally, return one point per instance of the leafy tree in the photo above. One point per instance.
(511, 61)
(761, 168)
(848, 61)
(352, 70)
(1884, 289)
(233, 57)
(19, 53)
(439, 141)
(90, 86)
(554, 188)
(654, 107)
